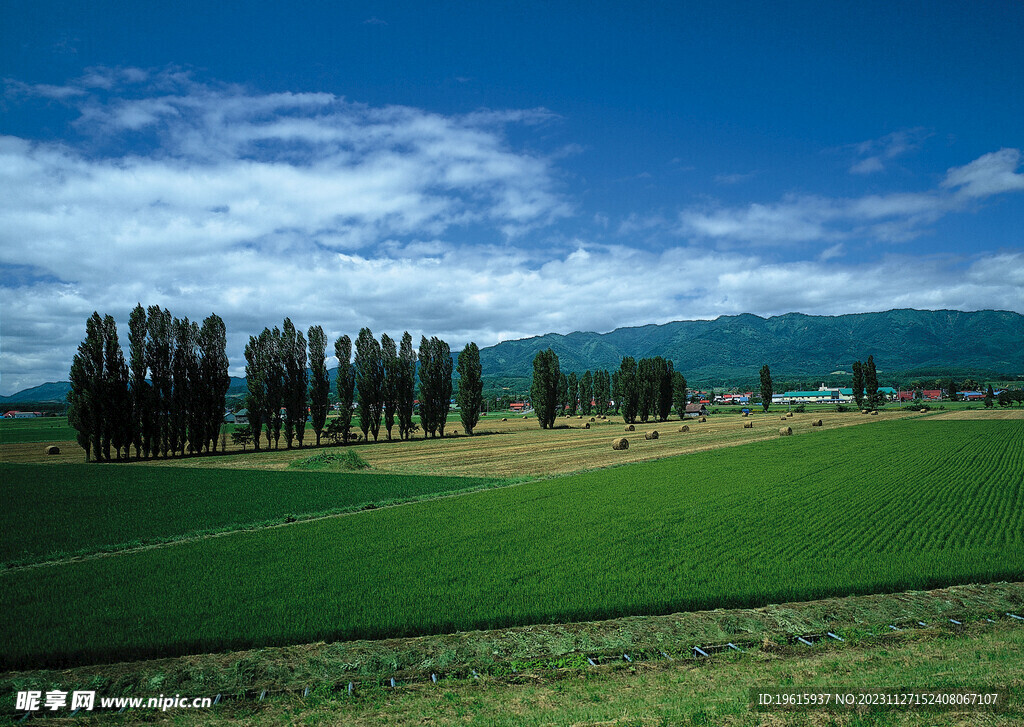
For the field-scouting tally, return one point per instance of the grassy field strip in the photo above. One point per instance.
(494, 652)
(649, 694)
(726, 528)
(303, 683)
(53, 512)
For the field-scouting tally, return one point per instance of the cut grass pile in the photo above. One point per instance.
(896, 506)
(54, 511)
(331, 461)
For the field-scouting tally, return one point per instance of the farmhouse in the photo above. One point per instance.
(696, 410)
(22, 414)
(826, 395)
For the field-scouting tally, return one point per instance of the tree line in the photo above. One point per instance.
(167, 399)
(637, 390)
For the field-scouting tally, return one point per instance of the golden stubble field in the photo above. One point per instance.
(517, 447)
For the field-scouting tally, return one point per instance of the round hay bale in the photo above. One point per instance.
(789, 414)
(782, 419)
(785, 431)
(504, 419)
(745, 414)
(524, 416)
(684, 428)
(922, 410)
(748, 425)
(620, 443)
(630, 428)
(651, 435)
(53, 449)
(579, 417)
(864, 411)
(874, 413)
(816, 423)
(703, 419)
(455, 432)
(594, 420)
(587, 425)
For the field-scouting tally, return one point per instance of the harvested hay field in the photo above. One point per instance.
(974, 414)
(518, 448)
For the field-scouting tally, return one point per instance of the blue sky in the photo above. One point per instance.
(484, 171)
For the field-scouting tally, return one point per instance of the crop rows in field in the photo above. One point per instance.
(895, 506)
(75, 508)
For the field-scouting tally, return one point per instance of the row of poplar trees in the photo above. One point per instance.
(379, 382)
(643, 390)
(167, 399)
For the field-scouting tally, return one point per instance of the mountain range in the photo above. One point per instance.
(733, 348)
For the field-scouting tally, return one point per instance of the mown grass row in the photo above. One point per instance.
(51, 511)
(896, 506)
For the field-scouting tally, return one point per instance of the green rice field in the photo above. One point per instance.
(898, 505)
(43, 429)
(54, 510)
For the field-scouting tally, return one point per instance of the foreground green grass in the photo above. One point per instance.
(50, 511)
(896, 506)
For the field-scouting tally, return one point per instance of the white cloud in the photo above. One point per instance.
(875, 154)
(885, 217)
(987, 175)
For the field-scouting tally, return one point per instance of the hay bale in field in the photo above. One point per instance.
(864, 411)
(684, 428)
(504, 419)
(579, 417)
(785, 431)
(594, 420)
(587, 425)
(922, 410)
(816, 423)
(524, 416)
(53, 449)
(748, 425)
(782, 419)
(620, 443)
(455, 432)
(789, 414)
(703, 419)
(746, 414)
(874, 413)
(630, 428)
(651, 435)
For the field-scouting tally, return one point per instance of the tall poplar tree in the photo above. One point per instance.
(320, 383)
(369, 366)
(629, 389)
(85, 400)
(275, 385)
(574, 393)
(435, 385)
(680, 394)
(470, 397)
(345, 382)
(389, 359)
(766, 387)
(159, 349)
(871, 383)
(544, 389)
(140, 388)
(858, 383)
(406, 391)
(664, 370)
(587, 392)
(256, 382)
(213, 369)
(602, 390)
(296, 382)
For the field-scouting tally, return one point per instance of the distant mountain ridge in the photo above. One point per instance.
(734, 348)
(794, 345)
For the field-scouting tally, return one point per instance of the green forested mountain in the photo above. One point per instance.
(733, 348)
